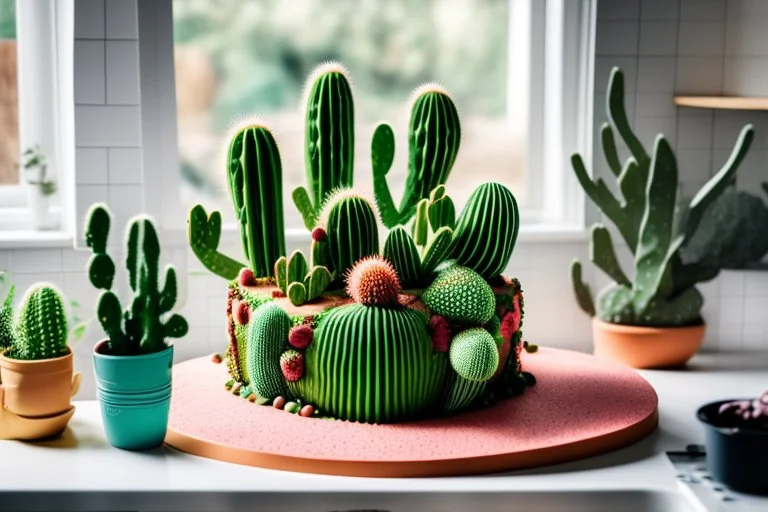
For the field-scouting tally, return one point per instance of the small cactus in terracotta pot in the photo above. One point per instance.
(36, 369)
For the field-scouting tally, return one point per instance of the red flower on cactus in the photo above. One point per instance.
(441, 333)
(319, 234)
(373, 281)
(246, 277)
(292, 365)
(241, 312)
(300, 336)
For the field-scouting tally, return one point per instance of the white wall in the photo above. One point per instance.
(669, 46)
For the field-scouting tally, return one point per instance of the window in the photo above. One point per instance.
(234, 58)
(32, 96)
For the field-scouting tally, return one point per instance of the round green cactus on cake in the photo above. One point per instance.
(420, 325)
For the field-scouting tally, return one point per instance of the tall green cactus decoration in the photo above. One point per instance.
(663, 291)
(434, 134)
(7, 334)
(329, 140)
(255, 177)
(140, 328)
(42, 331)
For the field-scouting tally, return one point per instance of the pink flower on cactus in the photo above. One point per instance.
(319, 234)
(241, 312)
(441, 333)
(246, 277)
(292, 365)
(300, 336)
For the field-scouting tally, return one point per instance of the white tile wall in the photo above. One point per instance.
(655, 42)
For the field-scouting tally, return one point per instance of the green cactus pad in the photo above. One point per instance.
(267, 339)
(461, 295)
(372, 364)
(474, 355)
(42, 325)
(204, 234)
(486, 230)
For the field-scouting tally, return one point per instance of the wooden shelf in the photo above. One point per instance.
(723, 102)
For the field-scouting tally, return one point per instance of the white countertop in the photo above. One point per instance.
(82, 472)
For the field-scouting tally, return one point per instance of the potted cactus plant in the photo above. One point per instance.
(36, 365)
(653, 318)
(736, 440)
(133, 364)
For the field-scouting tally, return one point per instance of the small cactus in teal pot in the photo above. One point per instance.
(662, 290)
(140, 327)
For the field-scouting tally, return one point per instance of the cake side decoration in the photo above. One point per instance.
(413, 323)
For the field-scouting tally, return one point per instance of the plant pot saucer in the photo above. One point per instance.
(13, 426)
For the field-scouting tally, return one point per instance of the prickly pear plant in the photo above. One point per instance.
(297, 281)
(204, 237)
(329, 139)
(142, 327)
(434, 133)
(41, 326)
(7, 333)
(733, 233)
(663, 291)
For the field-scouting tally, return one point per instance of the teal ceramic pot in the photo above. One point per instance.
(134, 394)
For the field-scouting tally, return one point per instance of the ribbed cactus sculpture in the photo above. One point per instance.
(329, 139)
(141, 327)
(662, 291)
(434, 133)
(41, 325)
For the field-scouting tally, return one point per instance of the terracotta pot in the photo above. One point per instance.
(647, 347)
(37, 389)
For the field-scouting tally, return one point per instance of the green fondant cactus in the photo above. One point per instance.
(255, 175)
(41, 326)
(460, 295)
(474, 355)
(486, 230)
(297, 281)
(267, 339)
(354, 347)
(434, 133)
(662, 291)
(7, 333)
(329, 140)
(416, 270)
(204, 236)
(352, 234)
(141, 327)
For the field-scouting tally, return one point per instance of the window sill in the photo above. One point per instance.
(30, 239)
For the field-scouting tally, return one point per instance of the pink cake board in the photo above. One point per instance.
(580, 406)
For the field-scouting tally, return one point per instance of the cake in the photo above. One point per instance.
(398, 313)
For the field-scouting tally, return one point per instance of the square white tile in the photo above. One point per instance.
(125, 166)
(660, 10)
(89, 72)
(658, 38)
(617, 38)
(656, 75)
(102, 126)
(700, 10)
(699, 75)
(91, 166)
(123, 73)
(122, 19)
(701, 39)
(89, 19)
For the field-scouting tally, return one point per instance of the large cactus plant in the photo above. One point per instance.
(142, 327)
(662, 291)
(41, 330)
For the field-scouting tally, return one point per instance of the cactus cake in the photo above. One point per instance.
(394, 313)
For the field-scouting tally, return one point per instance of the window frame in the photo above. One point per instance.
(46, 107)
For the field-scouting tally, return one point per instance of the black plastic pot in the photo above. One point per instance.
(736, 457)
